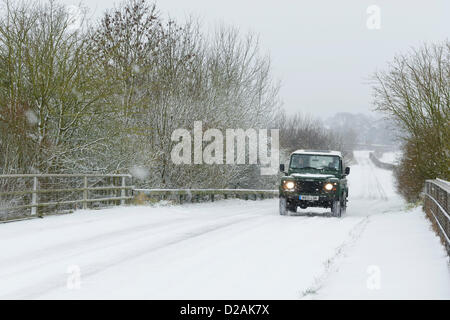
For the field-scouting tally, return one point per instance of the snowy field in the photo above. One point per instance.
(231, 249)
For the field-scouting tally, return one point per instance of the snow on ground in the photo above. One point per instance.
(396, 257)
(391, 157)
(231, 249)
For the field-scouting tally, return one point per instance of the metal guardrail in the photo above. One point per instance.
(17, 201)
(380, 164)
(437, 207)
(197, 195)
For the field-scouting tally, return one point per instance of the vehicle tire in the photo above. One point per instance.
(286, 207)
(283, 206)
(292, 208)
(343, 204)
(336, 208)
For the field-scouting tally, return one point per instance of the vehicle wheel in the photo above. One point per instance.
(286, 207)
(292, 208)
(343, 204)
(336, 209)
(283, 204)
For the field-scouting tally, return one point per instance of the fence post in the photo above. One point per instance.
(85, 193)
(122, 201)
(34, 200)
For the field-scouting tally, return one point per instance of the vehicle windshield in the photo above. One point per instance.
(317, 162)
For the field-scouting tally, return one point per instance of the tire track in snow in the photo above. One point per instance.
(67, 246)
(100, 242)
(71, 224)
(331, 265)
(55, 282)
(372, 188)
(111, 234)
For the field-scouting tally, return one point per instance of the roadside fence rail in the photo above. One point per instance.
(437, 207)
(25, 196)
(31, 195)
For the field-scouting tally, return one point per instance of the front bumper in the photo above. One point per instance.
(310, 188)
(325, 200)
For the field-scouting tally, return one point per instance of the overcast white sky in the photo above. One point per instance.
(322, 50)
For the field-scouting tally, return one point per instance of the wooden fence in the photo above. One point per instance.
(437, 207)
(35, 195)
(30, 195)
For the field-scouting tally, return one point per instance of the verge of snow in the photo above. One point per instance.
(390, 157)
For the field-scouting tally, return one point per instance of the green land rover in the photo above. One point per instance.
(314, 179)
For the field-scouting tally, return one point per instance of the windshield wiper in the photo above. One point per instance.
(327, 169)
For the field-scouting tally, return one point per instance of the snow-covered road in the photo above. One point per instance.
(231, 249)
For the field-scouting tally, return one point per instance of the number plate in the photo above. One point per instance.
(308, 198)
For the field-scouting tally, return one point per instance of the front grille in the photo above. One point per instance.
(309, 186)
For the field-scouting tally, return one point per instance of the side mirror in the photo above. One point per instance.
(282, 167)
(347, 170)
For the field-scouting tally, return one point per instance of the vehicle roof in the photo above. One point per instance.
(319, 152)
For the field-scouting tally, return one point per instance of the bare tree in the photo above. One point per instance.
(415, 92)
(47, 81)
(108, 97)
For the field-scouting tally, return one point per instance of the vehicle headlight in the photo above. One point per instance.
(328, 186)
(289, 185)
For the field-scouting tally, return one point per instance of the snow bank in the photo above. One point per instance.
(391, 157)
(397, 257)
